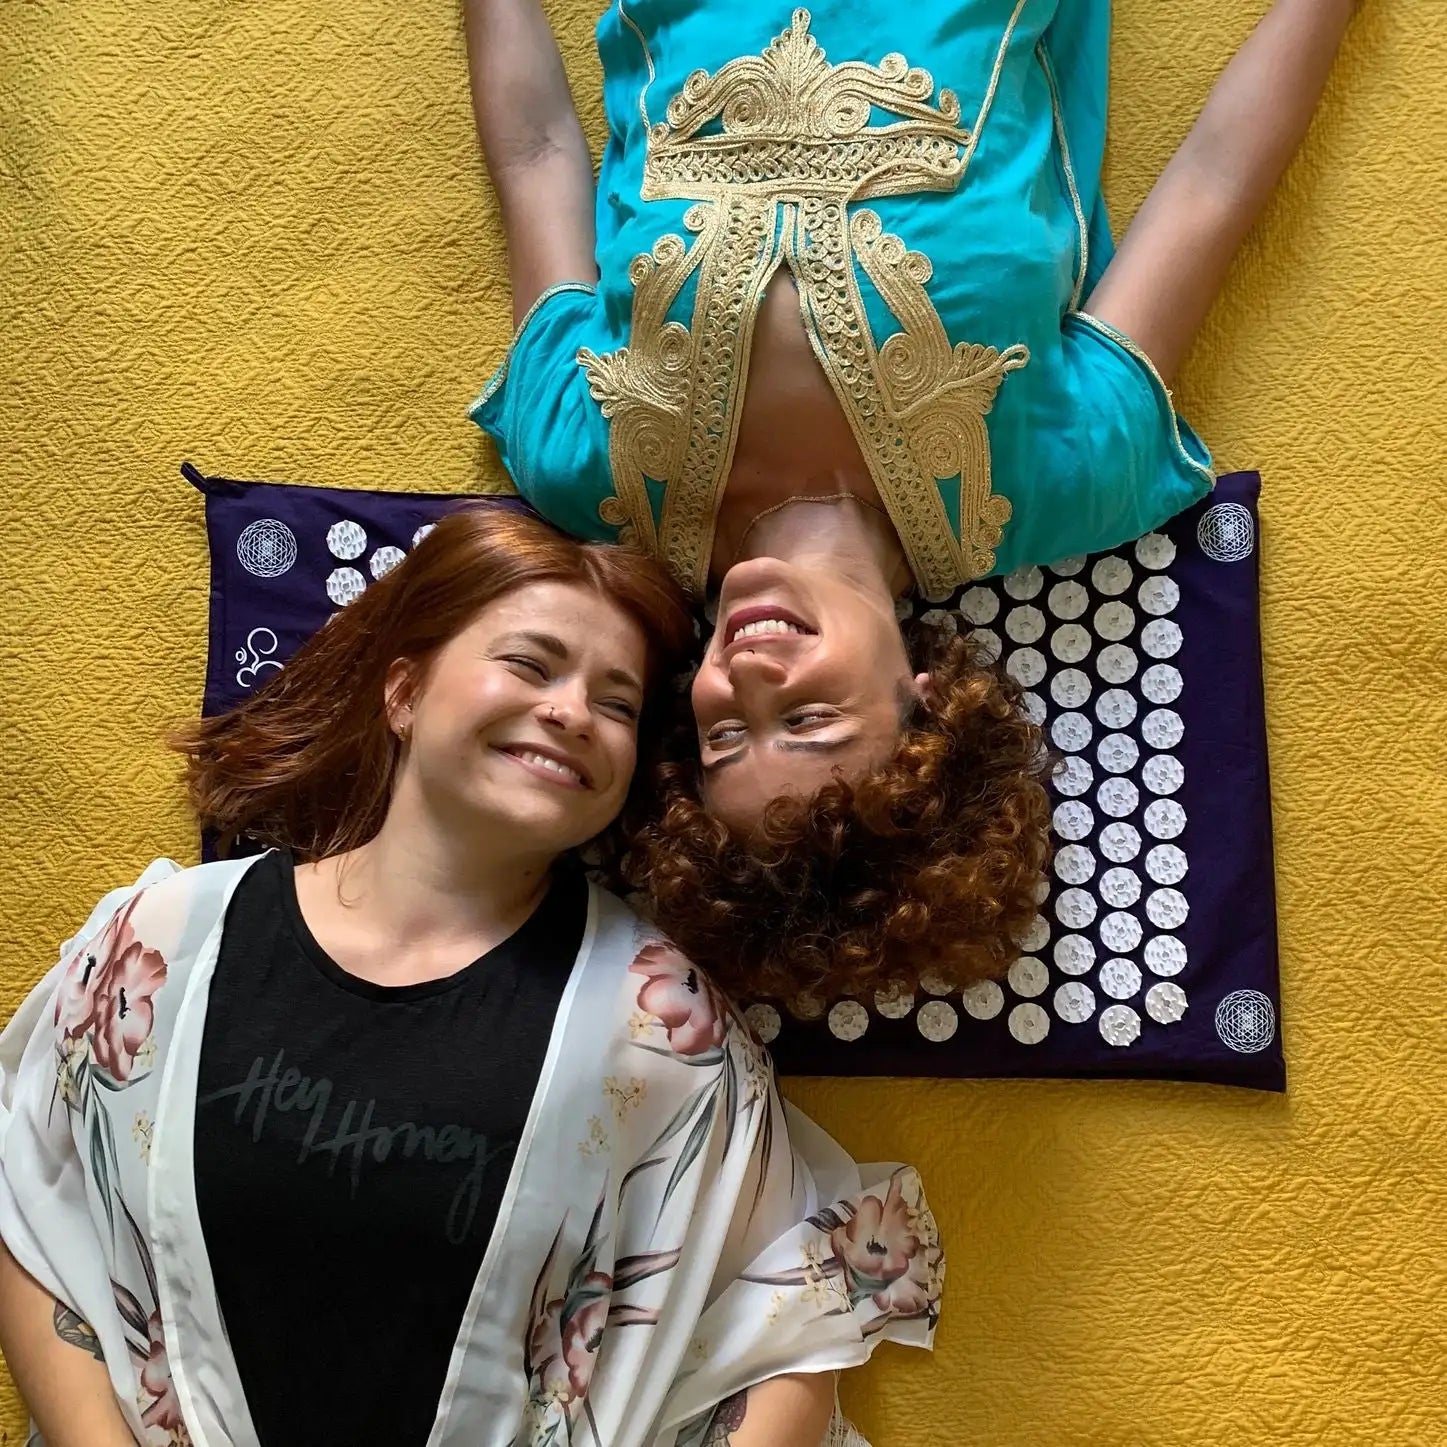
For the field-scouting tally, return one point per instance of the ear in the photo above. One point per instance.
(398, 693)
(923, 688)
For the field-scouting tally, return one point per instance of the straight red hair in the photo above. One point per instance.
(307, 763)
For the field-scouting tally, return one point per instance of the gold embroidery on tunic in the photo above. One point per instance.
(774, 148)
(937, 394)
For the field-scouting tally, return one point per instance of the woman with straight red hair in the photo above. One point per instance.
(385, 1135)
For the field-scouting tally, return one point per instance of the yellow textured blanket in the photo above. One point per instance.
(258, 235)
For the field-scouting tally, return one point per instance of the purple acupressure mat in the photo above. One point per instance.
(1154, 954)
(285, 557)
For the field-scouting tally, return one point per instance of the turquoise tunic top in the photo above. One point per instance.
(930, 175)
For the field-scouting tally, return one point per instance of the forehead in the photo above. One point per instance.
(737, 793)
(588, 623)
(557, 601)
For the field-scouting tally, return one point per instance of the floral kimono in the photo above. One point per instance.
(671, 1231)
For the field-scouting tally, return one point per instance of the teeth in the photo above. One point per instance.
(528, 756)
(766, 625)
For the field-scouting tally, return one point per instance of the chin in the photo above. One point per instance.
(532, 815)
(541, 831)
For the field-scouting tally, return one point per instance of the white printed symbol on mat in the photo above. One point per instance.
(1226, 532)
(1245, 1021)
(254, 659)
(266, 548)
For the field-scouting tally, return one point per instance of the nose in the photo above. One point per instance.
(566, 711)
(755, 675)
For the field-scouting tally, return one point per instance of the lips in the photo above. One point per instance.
(761, 613)
(788, 626)
(547, 763)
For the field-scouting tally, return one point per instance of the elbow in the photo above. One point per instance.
(1219, 194)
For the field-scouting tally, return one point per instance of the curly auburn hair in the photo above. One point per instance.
(932, 861)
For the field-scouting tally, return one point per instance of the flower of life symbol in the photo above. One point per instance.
(266, 548)
(1246, 1021)
(1226, 532)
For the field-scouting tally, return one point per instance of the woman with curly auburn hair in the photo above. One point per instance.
(930, 860)
(841, 315)
(382, 1137)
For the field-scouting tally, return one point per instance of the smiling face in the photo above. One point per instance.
(526, 722)
(805, 674)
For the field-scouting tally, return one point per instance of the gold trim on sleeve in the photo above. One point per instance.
(500, 376)
(1157, 381)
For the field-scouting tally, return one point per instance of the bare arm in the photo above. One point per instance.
(1173, 259)
(536, 153)
(56, 1362)
(790, 1411)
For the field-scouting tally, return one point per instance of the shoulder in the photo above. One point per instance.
(165, 905)
(167, 886)
(674, 999)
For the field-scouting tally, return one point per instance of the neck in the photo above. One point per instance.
(843, 534)
(415, 882)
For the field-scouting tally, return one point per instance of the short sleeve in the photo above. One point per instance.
(1119, 460)
(550, 433)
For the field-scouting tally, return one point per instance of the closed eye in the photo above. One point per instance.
(806, 718)
(531, 664)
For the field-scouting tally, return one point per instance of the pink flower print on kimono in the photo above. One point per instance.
(565, 1340)
(107, 993)
(876, 1243)
(160, 1406)
(883, 1252)
(156, 1396)
(572, 1310)
(888, 1250)
(75, 1001)
(682, 999)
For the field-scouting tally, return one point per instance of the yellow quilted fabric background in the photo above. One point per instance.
(258, 236)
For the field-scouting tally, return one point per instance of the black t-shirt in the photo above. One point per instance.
(353, 1142)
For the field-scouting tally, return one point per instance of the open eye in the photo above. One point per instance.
(724, 733)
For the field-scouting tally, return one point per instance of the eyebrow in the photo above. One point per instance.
(550, 643)
(788, 746)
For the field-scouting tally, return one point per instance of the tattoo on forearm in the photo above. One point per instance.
(73, 1328)
(728, 1417)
